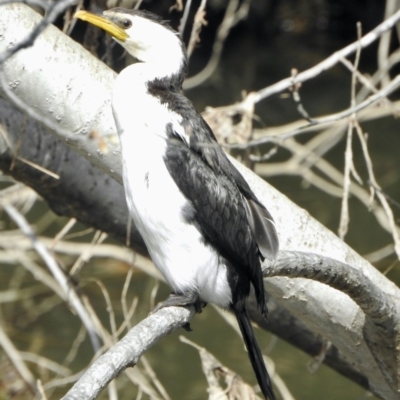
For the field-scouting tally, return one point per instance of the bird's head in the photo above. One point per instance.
(143, 34)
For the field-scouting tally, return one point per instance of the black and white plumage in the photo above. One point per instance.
(203, 226)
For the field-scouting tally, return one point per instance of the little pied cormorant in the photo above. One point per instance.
(204, 228)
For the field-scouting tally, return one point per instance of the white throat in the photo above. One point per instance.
(137, 113)
(162, 61)
(159, 48)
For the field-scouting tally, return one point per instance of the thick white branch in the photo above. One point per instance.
(62, 86)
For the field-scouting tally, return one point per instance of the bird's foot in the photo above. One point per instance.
(182, 300)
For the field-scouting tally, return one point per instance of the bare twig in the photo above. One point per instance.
(382, 198)
(380, 254)
(66, 228)
(153, 295)
(85, 256)
(177, 6)
(41, 390)
(138, 4)
(198, 23)
(349, 164)
(127, 351)
(368, 85)
(395, 84)
(233, 15)
(73, 351)
(16, 359)
(344, 211)
(330, 61)
(152, 375)
(235, 388)
(62, 381)
(19, 242)
(127, 315)
(44, 362)
(46, 171)
(17, 194)
(295, 90)
(39, 273)
(315, 364)
(69, 291)
(109, 309)
(370, 114)
(184, 18)
(384, 43)
(299, 163)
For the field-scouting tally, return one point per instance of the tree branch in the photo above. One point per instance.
(90, 196)
(54, 10)
(127, 351)
(370, 298)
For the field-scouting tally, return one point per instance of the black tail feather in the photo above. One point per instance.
(255, 356)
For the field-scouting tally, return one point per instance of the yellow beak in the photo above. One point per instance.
(104, 23)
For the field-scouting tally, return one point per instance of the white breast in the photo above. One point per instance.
(155, 202)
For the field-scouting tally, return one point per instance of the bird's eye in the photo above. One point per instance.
(126, 23)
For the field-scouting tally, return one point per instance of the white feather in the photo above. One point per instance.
(155, 202)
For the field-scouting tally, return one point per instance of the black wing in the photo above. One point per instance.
(225, 209)
(261, 223)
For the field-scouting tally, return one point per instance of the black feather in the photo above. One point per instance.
(255, 227)
(254, 352)
(263, 228)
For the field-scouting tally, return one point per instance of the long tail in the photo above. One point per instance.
(256, 359)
